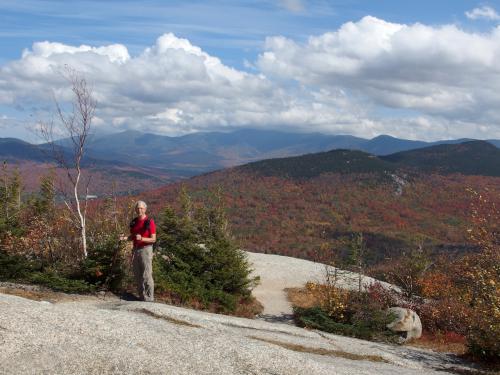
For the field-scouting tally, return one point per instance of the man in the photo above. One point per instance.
(143, 234)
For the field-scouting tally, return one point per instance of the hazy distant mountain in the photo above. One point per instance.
(13, 149)
(386, 145)
(495, 142)
(33, 161)
(198, 153)
(16, 149)
(202, 152)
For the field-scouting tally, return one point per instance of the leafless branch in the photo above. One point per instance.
(76, 124)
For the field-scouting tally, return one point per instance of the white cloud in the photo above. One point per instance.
(437, 71)
(484, 12)
(293, 5)
(172, 87)
(115, 52)
(366, 78)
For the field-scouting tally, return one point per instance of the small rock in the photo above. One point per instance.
(407, 323)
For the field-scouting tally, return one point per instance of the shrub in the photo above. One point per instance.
(15, 267)
(484, 277)
(484, 326)
(332, 300)
(197, 260)
(382, 297)
(350, 313)
(60, 283)
(19, 269)
(444, 316)
(104, 265)
(46, 252)
(368, 325)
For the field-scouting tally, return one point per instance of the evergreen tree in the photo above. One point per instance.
(44, 203)
(5, 197)
(198, 259)
(10, 200)
(16, 188)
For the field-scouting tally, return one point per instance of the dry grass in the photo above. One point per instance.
(41, 294)
(167, 318)
(30, 294)
(322, 351)
(248, 309)
(441, 343)
(469, 371)
(301, 297)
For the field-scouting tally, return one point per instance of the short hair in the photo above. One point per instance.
(139, 203)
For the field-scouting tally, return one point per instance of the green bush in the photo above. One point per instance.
(14, 267)
(367, 325)
(60, 283)
(103, 266)
(197, 261)
(317, 318)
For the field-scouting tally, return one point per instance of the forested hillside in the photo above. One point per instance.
(299, 218)
(301, 206)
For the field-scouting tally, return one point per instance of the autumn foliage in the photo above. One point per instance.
(483, 276)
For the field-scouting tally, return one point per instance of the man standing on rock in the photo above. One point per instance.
(143, 234)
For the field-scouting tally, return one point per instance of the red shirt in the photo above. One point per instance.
(139, 228)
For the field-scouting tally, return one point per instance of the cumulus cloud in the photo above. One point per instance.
(172, 87)
(367, 78)
(432, 70)
(485, 12)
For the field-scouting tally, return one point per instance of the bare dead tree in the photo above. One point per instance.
(76, 124)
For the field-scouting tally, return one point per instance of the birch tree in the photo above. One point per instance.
(75, 124)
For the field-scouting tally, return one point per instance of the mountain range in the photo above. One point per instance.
(140, 161)
(33, 161)
(467, 158)
(292, 205)
(197, 153)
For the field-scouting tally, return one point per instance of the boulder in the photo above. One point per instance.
(406, 322)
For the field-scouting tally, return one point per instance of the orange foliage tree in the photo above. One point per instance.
(483, 273)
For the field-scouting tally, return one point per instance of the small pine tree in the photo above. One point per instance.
(44, 203)
(10, 200)
(198, 259)
(16, 187)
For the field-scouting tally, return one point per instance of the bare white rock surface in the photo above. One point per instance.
(278, 272)
(111, 336)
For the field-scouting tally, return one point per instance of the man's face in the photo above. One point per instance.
(140, 210)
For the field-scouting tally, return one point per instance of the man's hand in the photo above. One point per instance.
(138, 237)
(123, 238)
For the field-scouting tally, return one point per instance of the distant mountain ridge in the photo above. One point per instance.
(313, 165)
(34, 161)
(467, 158)
(197, 153)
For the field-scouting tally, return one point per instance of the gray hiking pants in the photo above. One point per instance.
(142, 262)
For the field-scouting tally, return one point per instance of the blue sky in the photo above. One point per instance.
(231, 30)
(292, 65)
